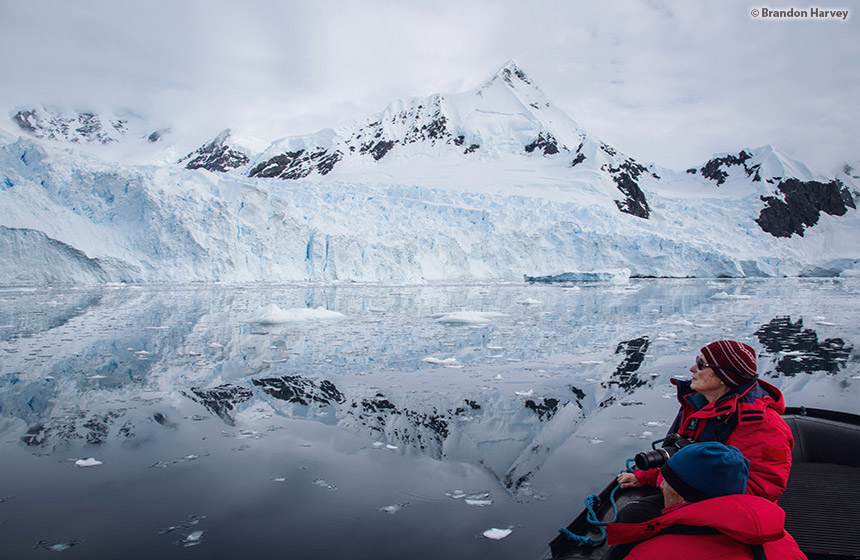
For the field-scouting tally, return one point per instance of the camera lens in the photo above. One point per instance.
(652, 459)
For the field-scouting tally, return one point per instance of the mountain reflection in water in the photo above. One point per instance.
(164, 420)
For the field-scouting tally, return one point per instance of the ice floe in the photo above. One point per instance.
(467, 317)
(274, 315)
(497, 534)
(192, 539)
(474, 499)
(439, 361)
(91, 462)
(724, 295)
(323, 483)
(56, 546)
(393, 508)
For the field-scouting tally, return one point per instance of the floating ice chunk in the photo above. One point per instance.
(56, 546)
(595, 441)
(724, 295)
(215, 345)
(279, 479)
(489, 347)
(529, 301)
(529, 393)
(193, 539)
(323, 483)
(825, 323)
(274, 315)
(439, 361)
(467, 317)
(392, 447)
(498, 377)
(614, 276)
(478, 502)
(591, 362)
(393, 508)
(497, 534)
(474, 499)
(91, 462)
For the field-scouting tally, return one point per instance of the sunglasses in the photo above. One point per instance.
(701, 364)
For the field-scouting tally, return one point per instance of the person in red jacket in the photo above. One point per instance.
(707, 513)
(725, 401)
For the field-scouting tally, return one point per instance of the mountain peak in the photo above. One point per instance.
(512, 76)
(511, 72)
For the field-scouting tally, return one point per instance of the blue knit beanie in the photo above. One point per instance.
(706, 470)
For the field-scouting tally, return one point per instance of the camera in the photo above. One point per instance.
(658, 457)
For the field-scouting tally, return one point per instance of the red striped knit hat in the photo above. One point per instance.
(733, 362)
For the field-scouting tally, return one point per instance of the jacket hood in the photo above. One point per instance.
(745, 518)
(757, 390)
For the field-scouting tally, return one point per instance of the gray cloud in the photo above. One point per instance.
(670, 82)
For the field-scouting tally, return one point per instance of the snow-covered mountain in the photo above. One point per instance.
(494, 183)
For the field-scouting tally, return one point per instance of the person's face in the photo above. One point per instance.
(705, 381)
(670, 497)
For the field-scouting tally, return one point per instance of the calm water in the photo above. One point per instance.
(408, 425)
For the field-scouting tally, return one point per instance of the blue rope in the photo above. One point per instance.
(592, 501)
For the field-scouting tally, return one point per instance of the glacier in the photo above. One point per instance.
(492, 184)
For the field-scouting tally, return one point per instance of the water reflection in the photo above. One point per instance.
(363, 416)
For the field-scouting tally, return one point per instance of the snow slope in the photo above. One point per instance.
(496, 183)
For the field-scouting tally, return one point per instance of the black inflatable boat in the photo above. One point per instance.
(821, 501)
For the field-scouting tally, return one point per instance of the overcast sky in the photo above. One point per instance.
(670, 82)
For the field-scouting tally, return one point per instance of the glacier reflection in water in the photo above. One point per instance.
(377, 421)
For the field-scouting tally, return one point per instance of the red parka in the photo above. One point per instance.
(742, 520)
(750, 414)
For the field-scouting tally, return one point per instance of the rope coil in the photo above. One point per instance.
(592, 502)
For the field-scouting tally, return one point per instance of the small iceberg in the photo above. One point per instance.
(274, 315)
(497, 534)
(529, 301)
(193, 539)
(467, 317)
(474, 499)
(393, 508)
(725, 296)
(439, 361)
(91, 462)
(322, 483)
(615, 276)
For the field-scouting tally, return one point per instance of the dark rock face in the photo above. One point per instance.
(78, 425)
(715, 169)
(545, 409)
(85, 126)
(214, 156)
(297, 389)
(221, 400)
(297, 165)
(801, 205)
(626, 178)
(412, 427)
(545, 142)
(805, 353)
(625, 376)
